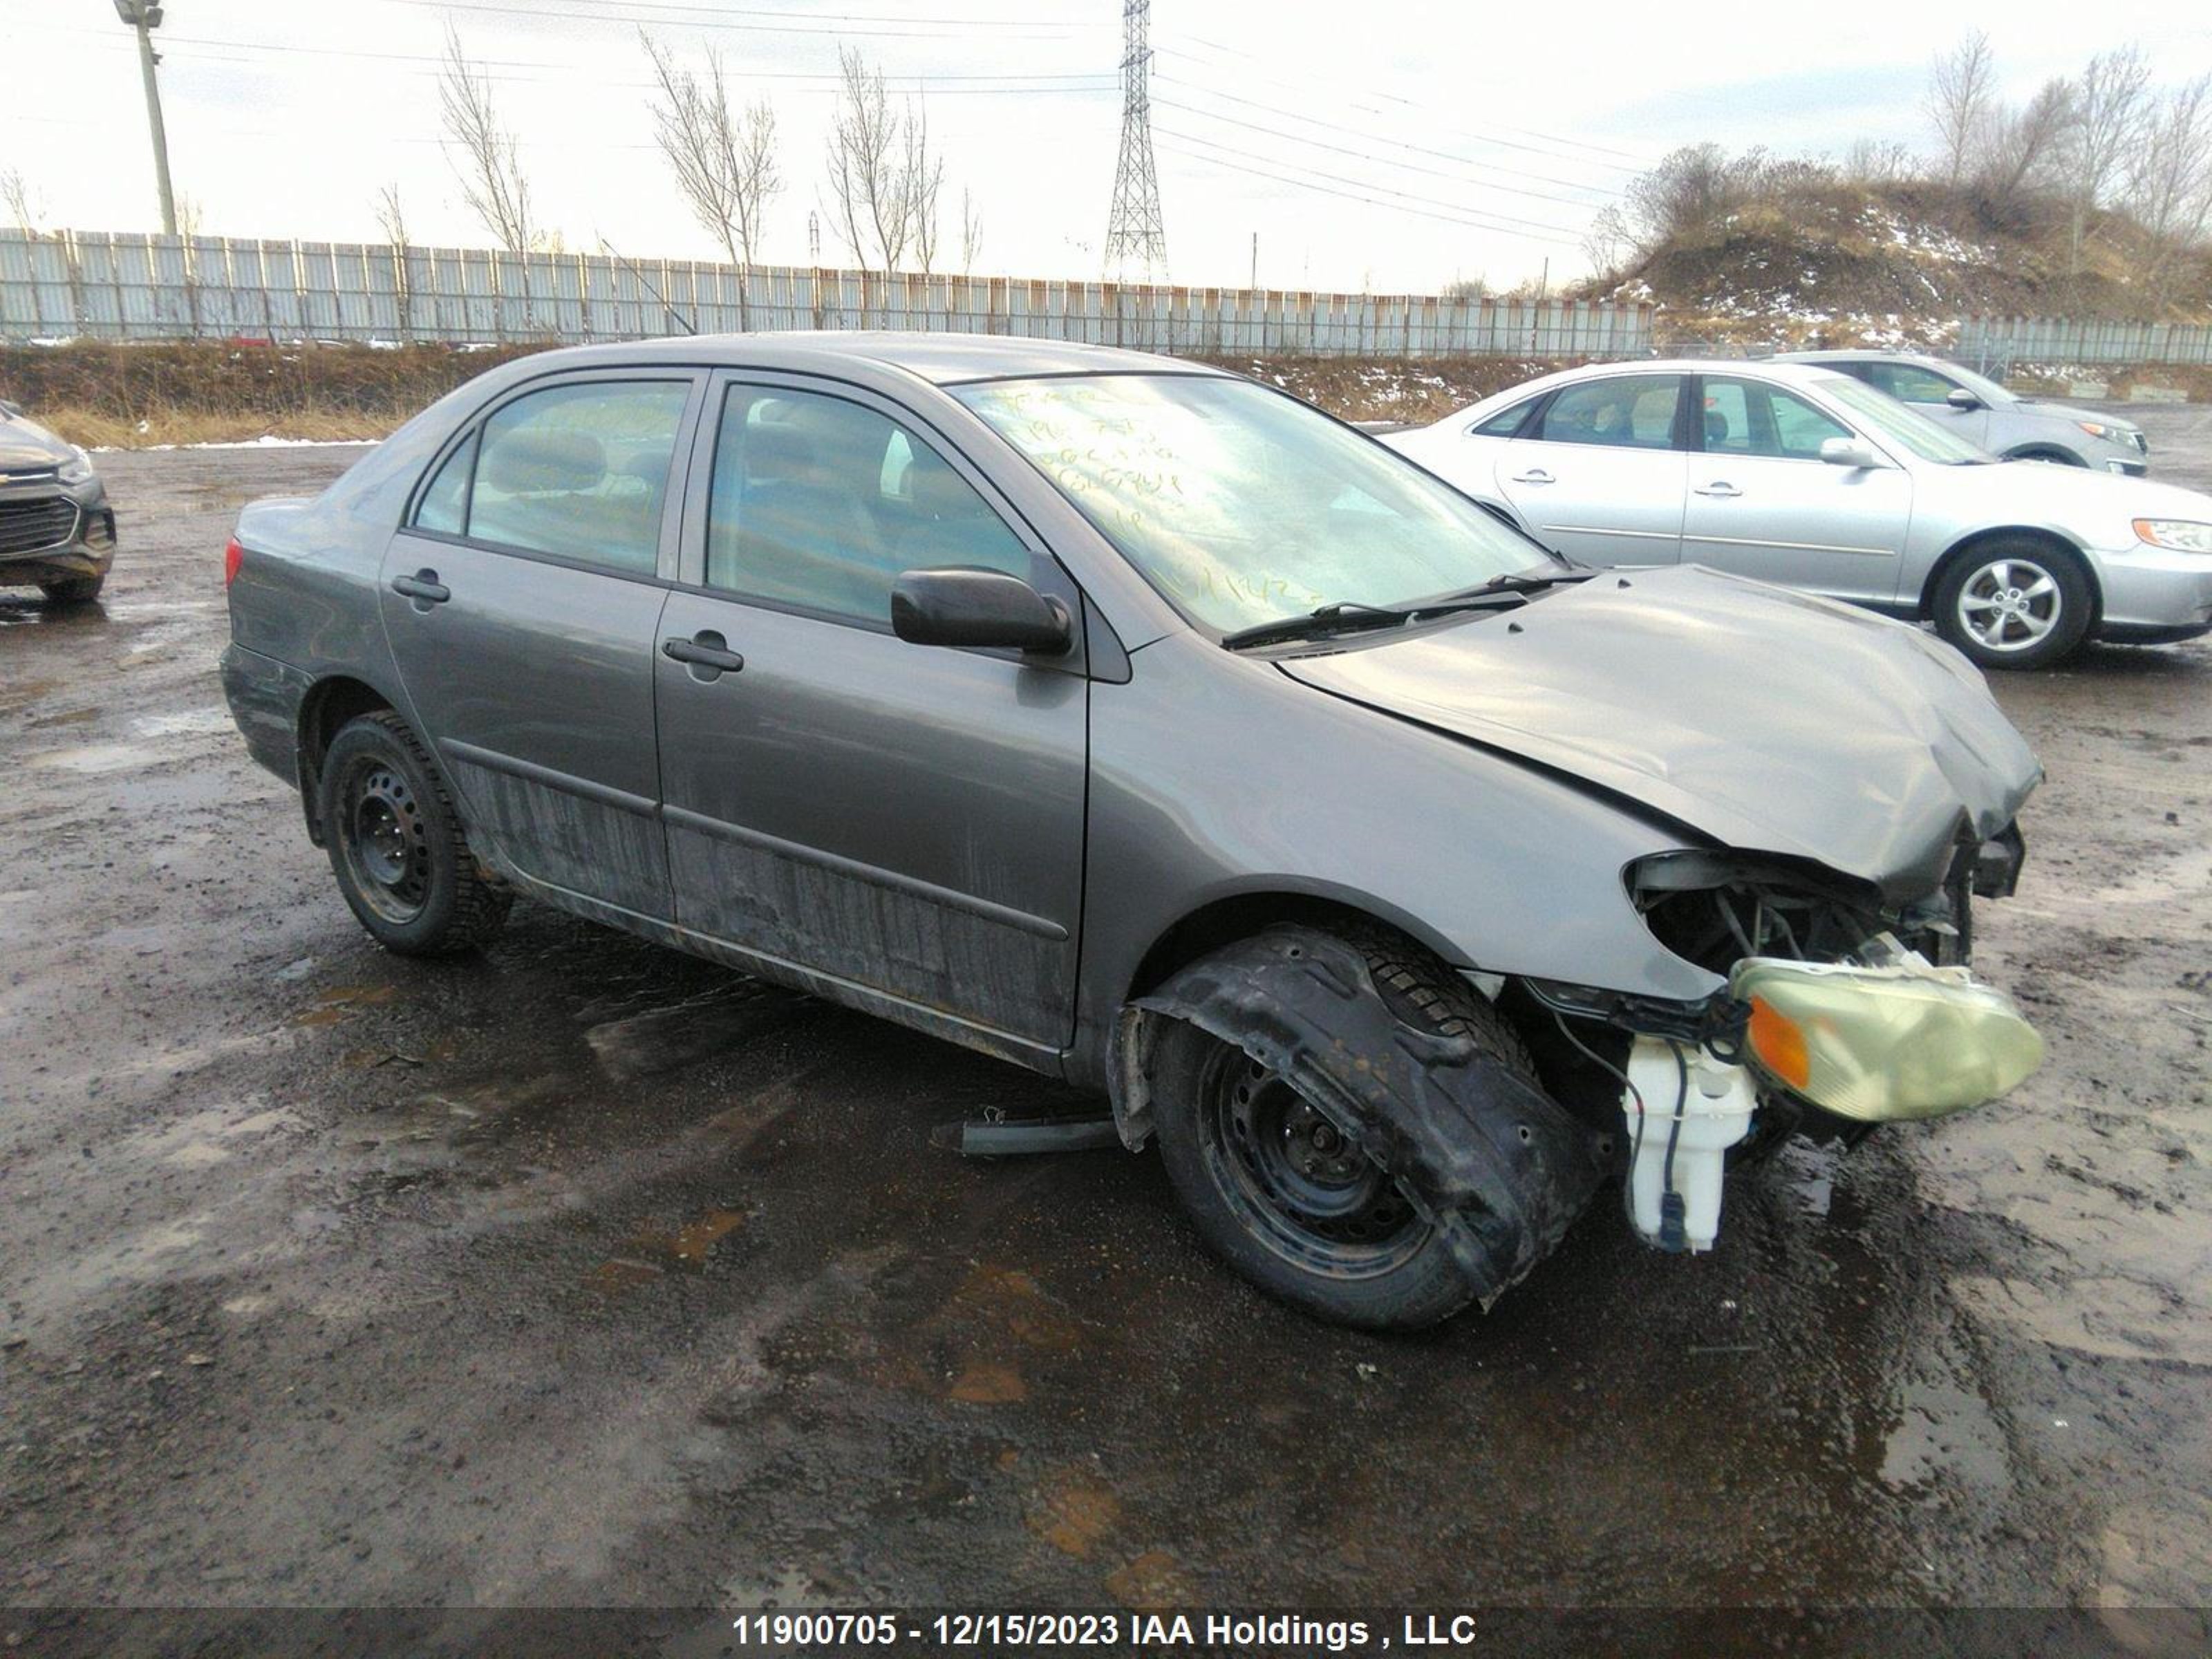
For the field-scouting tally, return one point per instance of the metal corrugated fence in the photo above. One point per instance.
(121, 286)
(2067, 342)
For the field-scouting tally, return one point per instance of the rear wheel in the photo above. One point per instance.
(1279, 1192)
(396, 846)
(74, 590)
(2014, 603)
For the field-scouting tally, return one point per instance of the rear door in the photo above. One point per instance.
(1763, 503)
(904, 820)
(1598, 473)
(523, 600)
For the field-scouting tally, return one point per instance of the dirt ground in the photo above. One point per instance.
(586, 1273)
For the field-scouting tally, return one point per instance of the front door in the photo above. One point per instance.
(1598, 475)
(1930, 393)
(522, 600)
(1763, 503)
(904, 822)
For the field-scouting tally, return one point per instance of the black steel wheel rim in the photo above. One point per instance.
(1294, 1179)
(385, 841)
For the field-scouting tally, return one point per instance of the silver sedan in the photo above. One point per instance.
(1806, 478)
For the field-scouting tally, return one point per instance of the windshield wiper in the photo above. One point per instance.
(1328, 619)
(1521, 581)
(1351, 613)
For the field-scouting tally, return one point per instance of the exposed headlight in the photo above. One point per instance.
(2176, 535)
(77, 470)
(1876, 1044)
(2111, 434)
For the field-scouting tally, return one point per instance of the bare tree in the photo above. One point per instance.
(1960, 92)
(971, 233)
(1608, 240)
(21, 200)
(2108, 115)
(2019, 148)
(2169, 187)
(922, 176)
(724, 159)
(868, 195)
(1877, 162)
(392, 215)
(483, 151)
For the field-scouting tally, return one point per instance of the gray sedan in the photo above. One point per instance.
(1990, 417)
(1800, 475)
(1144, 727)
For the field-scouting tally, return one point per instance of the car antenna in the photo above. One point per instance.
(676, 317)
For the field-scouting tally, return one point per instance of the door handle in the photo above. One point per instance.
(705, 650)
(1719, 489)
(1534, 475)
(424, 587)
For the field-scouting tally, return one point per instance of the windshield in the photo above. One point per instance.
(1241, 505)
(1886, 418)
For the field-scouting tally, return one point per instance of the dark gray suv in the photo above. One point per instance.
(1141, 725)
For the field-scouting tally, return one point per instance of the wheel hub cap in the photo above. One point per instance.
(2010, 604)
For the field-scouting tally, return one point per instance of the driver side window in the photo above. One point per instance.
(1909, 383)
(819, 504)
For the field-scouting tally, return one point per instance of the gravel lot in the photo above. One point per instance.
(584, 1272)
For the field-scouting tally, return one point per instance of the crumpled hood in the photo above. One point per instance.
(1771, 721)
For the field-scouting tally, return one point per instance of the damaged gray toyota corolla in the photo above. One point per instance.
(1142, 726)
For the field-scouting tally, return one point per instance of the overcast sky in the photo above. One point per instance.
(1384, 143)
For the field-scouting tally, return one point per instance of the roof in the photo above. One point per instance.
(1856, 355)
(944, 358)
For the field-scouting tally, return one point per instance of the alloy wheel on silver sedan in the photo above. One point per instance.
(2010, 604)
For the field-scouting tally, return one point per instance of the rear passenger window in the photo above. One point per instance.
(1506, 422)
(445, 505)
(578, 471)
(820, 504)
(1625, 412)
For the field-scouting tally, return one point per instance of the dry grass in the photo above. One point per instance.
(169, 425)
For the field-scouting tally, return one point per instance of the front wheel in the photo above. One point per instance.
(1277, 1190)
(396, 846)
(2013, 604)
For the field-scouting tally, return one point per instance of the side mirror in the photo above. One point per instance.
(1962, 399)
(1849, 452)
(967, 605)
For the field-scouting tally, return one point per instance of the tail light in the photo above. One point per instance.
(233, 557)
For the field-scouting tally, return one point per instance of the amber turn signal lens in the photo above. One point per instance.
(1779, 1044)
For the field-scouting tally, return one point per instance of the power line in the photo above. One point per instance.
(715, 18)
(1500, 220)
(597, 10)
(1352, 196)
(945, 83)
(1630, 161)
(1382, 161)
(1404, 143)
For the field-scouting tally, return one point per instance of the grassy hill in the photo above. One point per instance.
(1808, 256)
